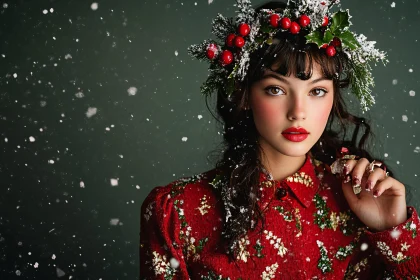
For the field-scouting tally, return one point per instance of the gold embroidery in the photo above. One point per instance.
(203, 205)
(302, 178)
(278, 244)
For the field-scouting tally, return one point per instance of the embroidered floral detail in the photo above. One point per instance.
(203, 205)
(179, 185)
(302, 178)
(344, 252)
(270, 272)
(213, 276)
(180, 212)
(243, 253)
(201, 244)
(290, 216)
(149, 212)
(218, 180)
(399, 258)
(321, 215)
(161, 266)
(258, 247)
(278, 244)
(324, 262)
(189, 248)
(326, 219)
(287, 215)
(404, 246)
(410, 226)
(354, 270)
(298, 222)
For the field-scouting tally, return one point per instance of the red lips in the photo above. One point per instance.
(296, 129)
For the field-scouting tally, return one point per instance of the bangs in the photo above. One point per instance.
(289, 59)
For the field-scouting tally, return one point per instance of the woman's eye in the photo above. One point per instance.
(319, 92)
(276, 90)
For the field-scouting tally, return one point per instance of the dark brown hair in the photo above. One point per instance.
(241, 153)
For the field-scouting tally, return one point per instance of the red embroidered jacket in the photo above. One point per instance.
(309, 234)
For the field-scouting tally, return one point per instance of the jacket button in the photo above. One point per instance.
(281, 193)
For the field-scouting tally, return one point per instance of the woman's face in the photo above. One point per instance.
(279, 102)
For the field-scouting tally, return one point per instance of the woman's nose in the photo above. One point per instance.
(297, 108)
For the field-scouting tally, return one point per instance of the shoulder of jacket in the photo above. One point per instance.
(176, 188)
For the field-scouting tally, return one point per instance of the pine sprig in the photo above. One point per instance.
(198, 51)
(245, 11)
(222, 27)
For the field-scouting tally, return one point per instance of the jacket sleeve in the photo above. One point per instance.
(399, 247)
(160, 249)
(393, 253)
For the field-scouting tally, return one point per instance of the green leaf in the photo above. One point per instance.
(230, 86)
(340, 21)
(328, 36)
(348, 40)
(315, 37)
(319, 39)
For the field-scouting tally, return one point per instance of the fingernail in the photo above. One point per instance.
(376, 193)
(368, 185)
(347, 179)
(356, 180)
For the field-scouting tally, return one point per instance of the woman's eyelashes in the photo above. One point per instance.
(318, 92)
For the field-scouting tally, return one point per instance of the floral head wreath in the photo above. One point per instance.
(251, 30)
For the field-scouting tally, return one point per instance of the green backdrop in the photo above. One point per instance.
(96, 99)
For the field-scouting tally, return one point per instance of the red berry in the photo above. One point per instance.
(211, 51)
(285, 23)
(324, 46)
(244, 29)
(331, 51)
(239, 41)
(226, 57)
(304, 20)
(294, 28)
(274, 20)
(336, 42)
(325, 21)
(229, 39)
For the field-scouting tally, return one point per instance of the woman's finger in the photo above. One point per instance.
(378, 174)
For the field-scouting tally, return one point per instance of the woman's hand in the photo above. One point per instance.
(381, 204)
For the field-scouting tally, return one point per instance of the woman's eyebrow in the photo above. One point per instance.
(280, 78)
(270, 75)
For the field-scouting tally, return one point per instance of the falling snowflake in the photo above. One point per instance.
(393, 5)
(32, 139)
(94, 6)
(114, 182)
(82, 184)
(404, 118)
(200, 117)
(132, 91)
(412, 93)
(114, 222)
(91, 112)
(184, 139)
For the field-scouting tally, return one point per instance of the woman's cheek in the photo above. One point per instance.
(267, 111)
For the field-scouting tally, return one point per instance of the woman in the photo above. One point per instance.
(290, 198)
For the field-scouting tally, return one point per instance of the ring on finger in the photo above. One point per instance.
(371, 167)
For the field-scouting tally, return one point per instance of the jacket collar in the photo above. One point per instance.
(303, 183)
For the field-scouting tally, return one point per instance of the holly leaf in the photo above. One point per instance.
(319, 39)
(328, 36)
(340, 22)
(348, 40)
